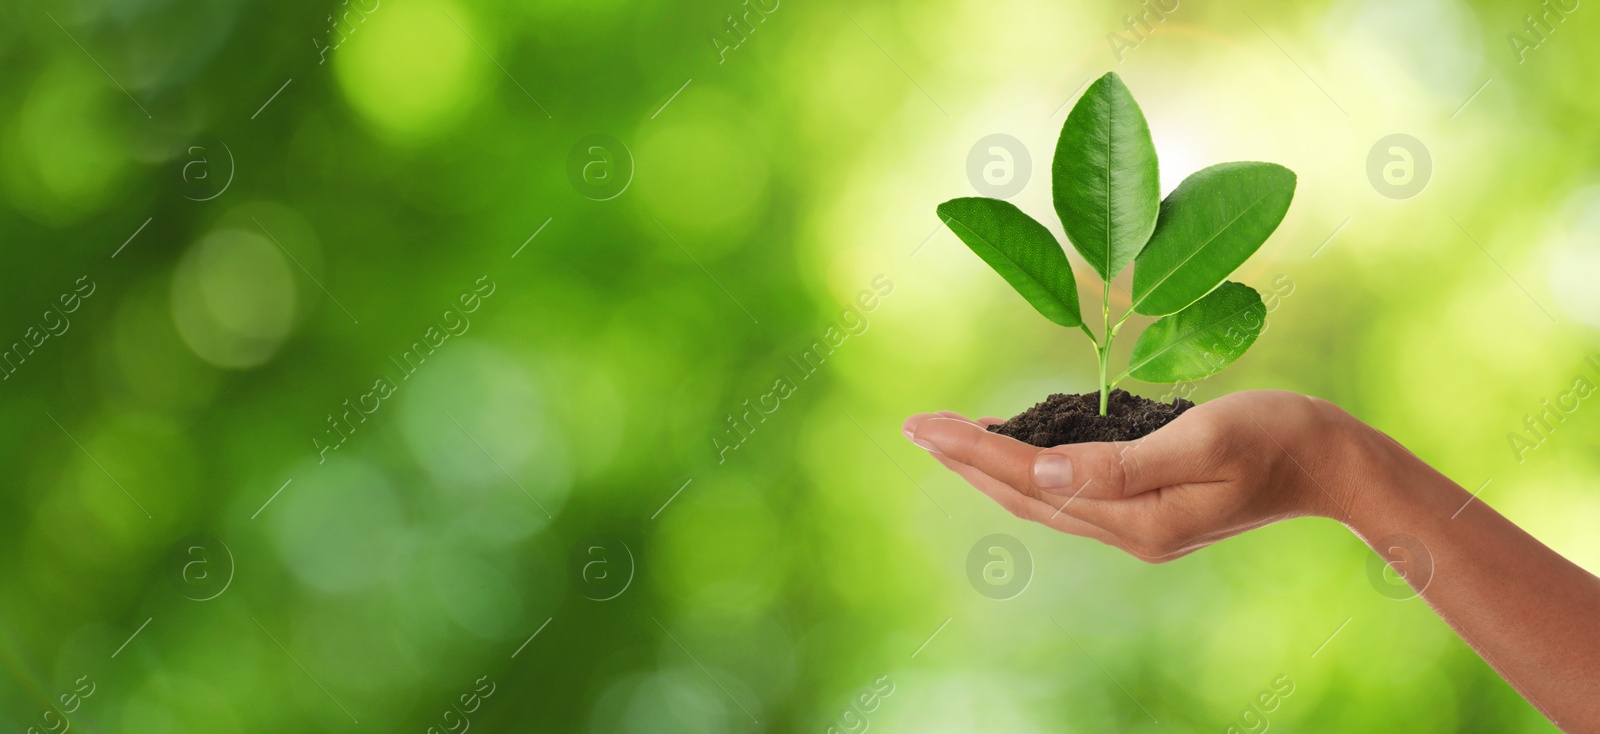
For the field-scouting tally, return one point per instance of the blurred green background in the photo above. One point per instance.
(256, 478)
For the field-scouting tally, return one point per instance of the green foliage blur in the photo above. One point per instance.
(404, 365)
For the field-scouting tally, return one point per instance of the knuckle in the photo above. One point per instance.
(1314, 405)
(1209, 435)
(1164, 558)
(1145, 551)
(1168, 541)
(1107, 467)
(1154, 553)
(953, 444)
(1018, 506)
(1155, 542)
(1129, 462)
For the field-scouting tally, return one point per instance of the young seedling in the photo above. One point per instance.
(1108, 195)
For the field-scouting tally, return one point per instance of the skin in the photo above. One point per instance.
(1251, 459)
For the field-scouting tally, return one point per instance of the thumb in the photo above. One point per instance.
(1179, 453)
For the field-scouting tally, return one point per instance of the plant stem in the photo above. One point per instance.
(1111, 331)
(1105, 349)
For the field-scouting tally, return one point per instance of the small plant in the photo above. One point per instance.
(1107, 192)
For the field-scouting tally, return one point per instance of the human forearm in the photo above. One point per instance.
(1530, 613)
(1249, 459)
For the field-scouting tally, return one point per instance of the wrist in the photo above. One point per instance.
(1387, 490)
(1353, 473)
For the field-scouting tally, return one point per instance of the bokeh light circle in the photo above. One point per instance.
(233, 298)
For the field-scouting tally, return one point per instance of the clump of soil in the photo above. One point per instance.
(1076, 419)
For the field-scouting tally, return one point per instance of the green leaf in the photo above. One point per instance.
(1201, 339)
(1104, 180)
(1021, 250)
(1209, 225)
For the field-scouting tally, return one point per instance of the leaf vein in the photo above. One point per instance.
(1175, 343)
(1018, 265)
(1105, 265)
(1197, 251)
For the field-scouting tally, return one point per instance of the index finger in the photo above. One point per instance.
(1001, 457)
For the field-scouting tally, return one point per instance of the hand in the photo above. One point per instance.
(1233, 464)
(1251, 459)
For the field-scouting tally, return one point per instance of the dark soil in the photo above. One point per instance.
(1076, 419)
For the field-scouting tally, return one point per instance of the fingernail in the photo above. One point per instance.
(1052, 472)
(925, 445)
(909, 427)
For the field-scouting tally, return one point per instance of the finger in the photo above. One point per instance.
(983, 422)
(1182, 452)
(909, 427)
(1001, 457)
(1026, 507)
(1150, 525)
(1003, 494)
(1043, 474)
(1156, 526)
